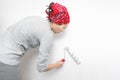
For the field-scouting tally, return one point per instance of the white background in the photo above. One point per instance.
(93, 34)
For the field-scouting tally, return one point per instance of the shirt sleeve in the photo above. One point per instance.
(44, 49)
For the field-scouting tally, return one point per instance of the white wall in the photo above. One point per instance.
(93, 34)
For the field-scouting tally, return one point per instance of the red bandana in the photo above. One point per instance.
(59, 14)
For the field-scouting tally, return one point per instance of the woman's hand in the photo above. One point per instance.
(58, 64)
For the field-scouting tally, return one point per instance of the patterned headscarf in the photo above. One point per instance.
(58, 13)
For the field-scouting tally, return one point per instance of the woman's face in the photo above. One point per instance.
(56, 28)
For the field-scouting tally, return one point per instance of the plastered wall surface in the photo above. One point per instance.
(93, 34)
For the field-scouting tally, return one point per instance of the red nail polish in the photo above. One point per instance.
(63, 60)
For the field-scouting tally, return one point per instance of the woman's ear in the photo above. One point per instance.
(52, 25)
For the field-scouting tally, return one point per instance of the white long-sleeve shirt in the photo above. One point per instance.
(26, 34)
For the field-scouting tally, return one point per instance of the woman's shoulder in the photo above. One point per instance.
(34, 18)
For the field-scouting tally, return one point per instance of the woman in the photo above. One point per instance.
(28, 33)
